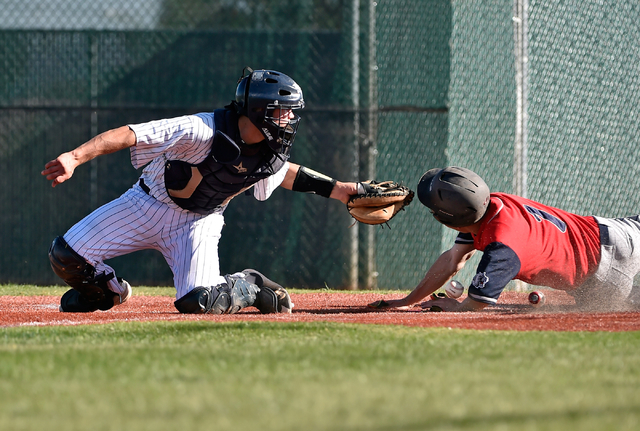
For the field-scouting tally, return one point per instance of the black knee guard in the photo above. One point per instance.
(77, 272)
(226, 298)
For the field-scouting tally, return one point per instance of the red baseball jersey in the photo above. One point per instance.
(538, 244)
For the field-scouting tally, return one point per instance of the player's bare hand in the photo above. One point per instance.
(343, 191)
(389, 303)
(60, 170)
(436, 303)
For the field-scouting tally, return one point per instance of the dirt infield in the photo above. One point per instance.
(511, 313)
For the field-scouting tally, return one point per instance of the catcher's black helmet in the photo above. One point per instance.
(265, 97)
(457, 197)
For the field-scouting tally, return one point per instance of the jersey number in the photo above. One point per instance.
(540, 215)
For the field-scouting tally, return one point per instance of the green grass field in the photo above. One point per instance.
(314, 376)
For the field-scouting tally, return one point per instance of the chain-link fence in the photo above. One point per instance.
(393, 88)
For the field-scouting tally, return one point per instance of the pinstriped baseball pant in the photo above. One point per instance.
(136, 221)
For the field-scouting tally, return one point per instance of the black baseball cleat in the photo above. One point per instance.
(74, 302)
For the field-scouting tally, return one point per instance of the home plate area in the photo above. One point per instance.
(513, 312)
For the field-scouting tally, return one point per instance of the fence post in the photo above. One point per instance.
(520, 151)
(93, 164)
(372, 141)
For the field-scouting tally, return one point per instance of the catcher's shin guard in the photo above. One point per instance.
(225, 298)
(73, 269)
(241, 290)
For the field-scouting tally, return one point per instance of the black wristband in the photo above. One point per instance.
(310, 181)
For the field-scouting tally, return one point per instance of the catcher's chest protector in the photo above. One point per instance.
(210, 185)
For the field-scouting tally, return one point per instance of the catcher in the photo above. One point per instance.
(193, 166)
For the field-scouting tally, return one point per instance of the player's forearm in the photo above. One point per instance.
(433, 280)
(443, 269)
(290, 176)
(303, 179)
(105, 143)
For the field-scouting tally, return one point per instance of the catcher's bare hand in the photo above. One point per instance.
(61, 169)
(344, 191)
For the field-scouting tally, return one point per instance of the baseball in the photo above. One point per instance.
(536, 298)
(454, 289)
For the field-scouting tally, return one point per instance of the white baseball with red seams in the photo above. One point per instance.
(536, 298)
(454, 289)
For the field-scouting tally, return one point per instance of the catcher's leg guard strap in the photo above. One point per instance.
(241, 293)
(77, 272)
(310, 181)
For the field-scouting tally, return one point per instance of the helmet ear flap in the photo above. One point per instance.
(424, 187)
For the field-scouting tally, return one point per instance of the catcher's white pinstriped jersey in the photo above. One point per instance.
(137, 220)
(185, 138)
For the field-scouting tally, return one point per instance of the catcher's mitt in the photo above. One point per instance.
(380, 202)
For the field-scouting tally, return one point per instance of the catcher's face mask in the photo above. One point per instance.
(281, 123)
(268, 98)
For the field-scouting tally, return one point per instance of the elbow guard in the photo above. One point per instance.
(309, 181)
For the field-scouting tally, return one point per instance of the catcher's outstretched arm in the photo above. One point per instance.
(61, 169)
(299, 178)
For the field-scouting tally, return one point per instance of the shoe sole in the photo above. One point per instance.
(123, 297)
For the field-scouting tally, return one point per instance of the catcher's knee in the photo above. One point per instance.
(69, 265)
(77, 272)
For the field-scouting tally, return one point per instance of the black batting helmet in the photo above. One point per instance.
(264, 96)
(457, 197)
